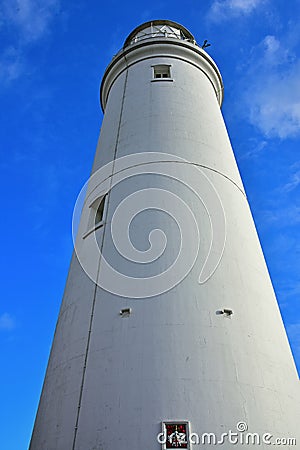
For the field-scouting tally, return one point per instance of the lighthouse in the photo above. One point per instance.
(169, 333)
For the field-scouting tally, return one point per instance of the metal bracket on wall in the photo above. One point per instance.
(125, 312)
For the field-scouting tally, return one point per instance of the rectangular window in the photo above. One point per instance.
(100, 211)
(162, 71)
(96, 215)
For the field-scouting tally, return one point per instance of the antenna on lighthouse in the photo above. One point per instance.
(205, 44)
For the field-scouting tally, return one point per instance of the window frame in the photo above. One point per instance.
(161, 69)
(94, 207)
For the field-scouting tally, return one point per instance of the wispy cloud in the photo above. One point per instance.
(31, 18)
(293, 183)
(24, 23)
(270, 48)
(11, 65)
(256, 147)
(273, 93)
(288, 216)
(221, 10)
(275, 108)
(7, 322)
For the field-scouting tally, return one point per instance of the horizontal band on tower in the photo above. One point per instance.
(156, 48)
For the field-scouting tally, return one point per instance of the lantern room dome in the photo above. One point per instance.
(159, 29)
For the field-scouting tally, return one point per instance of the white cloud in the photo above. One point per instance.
(271, 44)
(11, 65)
(256, 148)
(293, 183)
(288, 216)
(226, 9)
(30, 17)
(25, 21)
(271, 53)
(273, 89)
(7, 322)
(275, 105)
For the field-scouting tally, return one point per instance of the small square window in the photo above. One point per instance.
(161, 71)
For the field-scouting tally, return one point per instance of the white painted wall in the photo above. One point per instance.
(174, 358)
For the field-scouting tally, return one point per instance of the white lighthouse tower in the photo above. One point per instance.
(169, 333)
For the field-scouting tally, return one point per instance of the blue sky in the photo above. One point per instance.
(52, 56)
